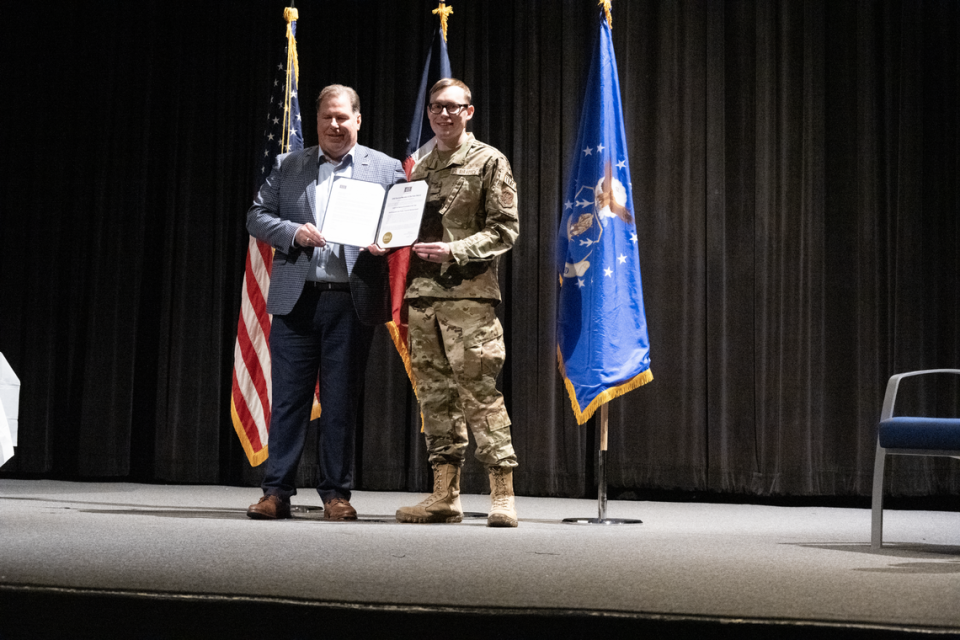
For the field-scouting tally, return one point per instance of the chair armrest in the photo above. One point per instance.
(890, 396)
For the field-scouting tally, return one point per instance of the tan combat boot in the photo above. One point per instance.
(443, 505)
(503, 513)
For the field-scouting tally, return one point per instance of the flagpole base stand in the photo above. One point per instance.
(601, 521)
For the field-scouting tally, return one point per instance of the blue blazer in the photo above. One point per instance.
(287, 200)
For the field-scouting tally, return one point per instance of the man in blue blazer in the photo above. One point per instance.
(325, 300)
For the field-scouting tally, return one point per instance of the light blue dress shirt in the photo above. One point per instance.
(328, 263)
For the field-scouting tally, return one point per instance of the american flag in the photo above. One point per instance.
(251, 394)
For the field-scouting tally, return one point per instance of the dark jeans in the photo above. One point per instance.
(321, 335)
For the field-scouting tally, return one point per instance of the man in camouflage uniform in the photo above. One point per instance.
(456, 341)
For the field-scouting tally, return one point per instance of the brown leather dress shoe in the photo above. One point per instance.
(339, 509)
(269, 508)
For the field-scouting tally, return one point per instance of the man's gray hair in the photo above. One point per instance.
(336, 90)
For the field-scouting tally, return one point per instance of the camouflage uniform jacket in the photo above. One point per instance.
(472, 205)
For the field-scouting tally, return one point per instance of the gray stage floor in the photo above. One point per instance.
(731, 562)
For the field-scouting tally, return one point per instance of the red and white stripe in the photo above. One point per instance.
(252, 391)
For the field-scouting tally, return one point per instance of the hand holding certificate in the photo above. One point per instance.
(362, 213)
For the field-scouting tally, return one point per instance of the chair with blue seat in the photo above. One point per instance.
(908, 436)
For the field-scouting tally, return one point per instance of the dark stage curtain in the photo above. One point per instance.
(795, 174)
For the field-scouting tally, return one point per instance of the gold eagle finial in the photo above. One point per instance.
(444, 12)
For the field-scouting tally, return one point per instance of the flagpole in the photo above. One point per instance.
(602, 466)
(602, 479)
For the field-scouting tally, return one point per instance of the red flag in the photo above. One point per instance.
(420, 142)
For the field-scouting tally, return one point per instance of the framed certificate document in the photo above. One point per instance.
(363, 213)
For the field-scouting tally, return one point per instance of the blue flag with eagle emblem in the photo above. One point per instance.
(602, 343)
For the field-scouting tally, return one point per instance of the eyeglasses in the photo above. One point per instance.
(452, 109)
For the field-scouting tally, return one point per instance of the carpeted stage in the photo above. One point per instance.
(94, 560)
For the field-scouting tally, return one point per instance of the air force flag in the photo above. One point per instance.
(603, 347)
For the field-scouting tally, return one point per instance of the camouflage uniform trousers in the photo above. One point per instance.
(456, 351)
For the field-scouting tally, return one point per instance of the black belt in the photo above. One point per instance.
(328, 286)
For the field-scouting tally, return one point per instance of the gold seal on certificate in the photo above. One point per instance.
(359, 212)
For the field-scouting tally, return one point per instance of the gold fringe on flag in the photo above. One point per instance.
(444, 12)
(405, 356)
(638, 380)
(402, 350)
(256, 458)
(291, 15)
